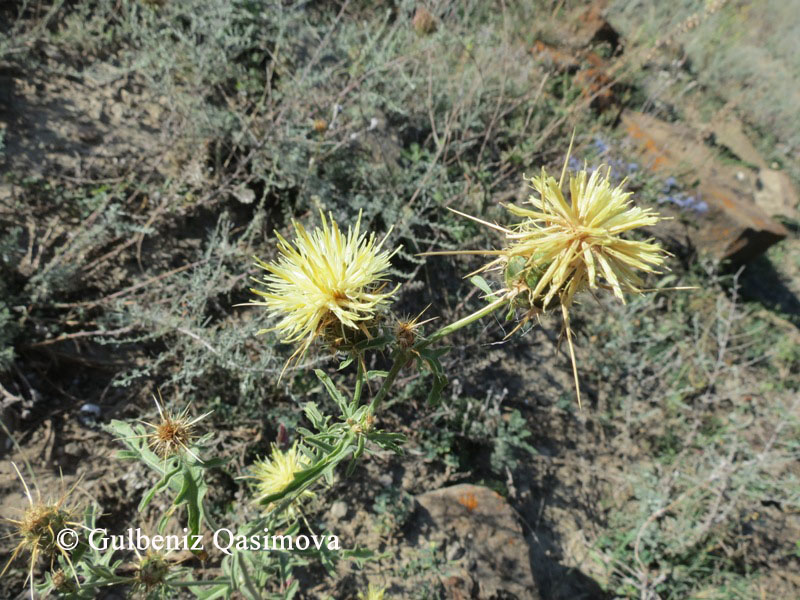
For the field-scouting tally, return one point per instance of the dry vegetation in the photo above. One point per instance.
(150, 149)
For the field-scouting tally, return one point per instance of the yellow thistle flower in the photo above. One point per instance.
(274, 474)
(374, 592)
(326, 279)
(561, 248)
(578, 244)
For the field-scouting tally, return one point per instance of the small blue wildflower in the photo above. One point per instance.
(600, 145)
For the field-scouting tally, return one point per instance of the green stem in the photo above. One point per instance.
(360, 376)
(401, 357)
(448, 329)
(248, 582)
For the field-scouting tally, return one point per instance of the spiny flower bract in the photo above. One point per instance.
(39, 529)
(324, 279)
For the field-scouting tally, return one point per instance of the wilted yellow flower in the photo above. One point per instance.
(325, 281)
(274, 474)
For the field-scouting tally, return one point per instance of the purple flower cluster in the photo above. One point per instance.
(619, 169)
(671, 194)
(601, 145)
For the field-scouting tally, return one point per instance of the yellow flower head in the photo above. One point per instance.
(274, 474)
(325, 279)
(374, 592)
(563, 247)
(569, 246)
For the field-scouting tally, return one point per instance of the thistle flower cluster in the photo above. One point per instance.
(333, 287)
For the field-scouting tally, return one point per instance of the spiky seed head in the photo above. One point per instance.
(152, 571)
(40, 524)
(324, 283)
(174, 433)
(39, 527)
(275, 473)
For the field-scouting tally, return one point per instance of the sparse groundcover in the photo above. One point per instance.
(151, 149)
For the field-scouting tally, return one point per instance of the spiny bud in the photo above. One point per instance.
(152, 571)
(407, 331)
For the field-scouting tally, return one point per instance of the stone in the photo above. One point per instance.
(733, 227)
(244, 195)
(593, 28)
(775, 194)
(338, 510)
(481, 531)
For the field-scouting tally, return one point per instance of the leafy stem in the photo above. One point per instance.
(360, 376)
